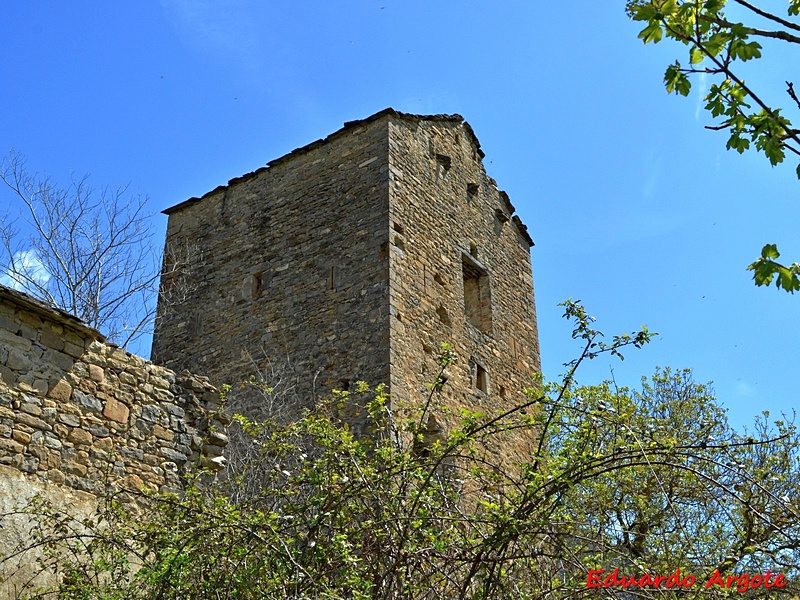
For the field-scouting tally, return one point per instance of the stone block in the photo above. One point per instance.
(8, 446)
(17, 361)
(31, 421)
(104, 444)
(162, 433)
(116, 411)
(8, 324)
(87, 402)
(69, 419)
(74, 468)
(96, 373)
(21, 437)
(74, 350)
(31, 409)
(55, 476)
(133, 453)
(80, 436)
(7, 376)
(174, 456)
(59, 359)
(51, 339)
(60, 391)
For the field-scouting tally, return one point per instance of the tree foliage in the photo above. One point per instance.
(645, 481)
(720, 36)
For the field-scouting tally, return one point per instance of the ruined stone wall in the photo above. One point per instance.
(460, 273)
(78, 412)
(80, 418)
(287, 271)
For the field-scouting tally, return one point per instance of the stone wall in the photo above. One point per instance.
(81, 413)
(460, 273)
(353, 258)
(80, 418)
(285, 269)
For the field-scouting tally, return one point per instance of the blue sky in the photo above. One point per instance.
(635, 209)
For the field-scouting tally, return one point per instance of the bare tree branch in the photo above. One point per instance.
(86, 251)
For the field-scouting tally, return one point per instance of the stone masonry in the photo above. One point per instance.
(75, 410)
(353, 258)
(80, 418)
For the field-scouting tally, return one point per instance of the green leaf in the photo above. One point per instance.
(696, 56)
(676, 80)
(770, 251)
(651, 33)
(714, 6)
(716, 43)
(738, 143)
(744, 51)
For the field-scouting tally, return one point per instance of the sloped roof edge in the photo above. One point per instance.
(348, 125)
(57, 315)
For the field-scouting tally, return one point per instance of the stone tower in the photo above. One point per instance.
(353, 258)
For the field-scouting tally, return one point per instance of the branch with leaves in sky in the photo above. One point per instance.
(718, 44)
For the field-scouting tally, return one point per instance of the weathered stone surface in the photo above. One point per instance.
(162, 433)
(116, 411)
(51, 339)
(55, 476)
(80, 436)
(96, 372)
(74, 468)
(86, 401)
(173, 456)
(66, 399)
(104, 444)
(346, 258)
(59, 359)
(68, 419)
(61, 391)
(31, 421)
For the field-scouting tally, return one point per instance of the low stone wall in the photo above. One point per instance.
(82, 413)
(79, 418)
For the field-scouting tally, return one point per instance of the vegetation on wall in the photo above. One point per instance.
(646, 492)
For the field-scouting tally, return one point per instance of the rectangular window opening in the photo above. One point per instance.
(477, 296)
(258, 284)
(481, 379)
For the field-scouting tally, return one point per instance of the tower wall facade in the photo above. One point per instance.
(354, 258)
(460, 273)
(285, 271)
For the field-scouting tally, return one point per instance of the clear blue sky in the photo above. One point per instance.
(635, 209)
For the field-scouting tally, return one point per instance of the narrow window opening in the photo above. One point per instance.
(445, 161)
(472, 189)
(477, 296)
(398, 241)
(398, 228)
(443, 316)
(333, 278)
(257, 285)
(502, 392)
(481, 379)
(438, 279)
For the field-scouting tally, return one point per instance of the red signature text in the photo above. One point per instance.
(741, 583)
